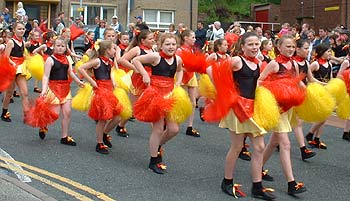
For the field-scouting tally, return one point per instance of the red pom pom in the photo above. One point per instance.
(41, 114)
(7, 72)
(226, 92)
(152, 106)
(75, 32)
(193, 61)
(104, 104)
(231, 38)
(346, 78)
(286, 90)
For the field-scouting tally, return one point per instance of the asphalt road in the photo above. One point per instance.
(195, 165)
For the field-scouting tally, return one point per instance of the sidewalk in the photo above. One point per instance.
(13, 189)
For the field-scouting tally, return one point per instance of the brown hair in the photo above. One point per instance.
(183, 34)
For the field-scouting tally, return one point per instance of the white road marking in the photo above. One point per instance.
(21, 177)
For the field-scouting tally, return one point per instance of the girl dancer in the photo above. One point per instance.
(302, 50)
(280, 67)
(322, 72)
(104, 105)
(140, 45)
(56, 88)
(245, 73)
(15, 51)
(163, 65)
(189, 81)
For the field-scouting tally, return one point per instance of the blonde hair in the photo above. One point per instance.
(100, 48)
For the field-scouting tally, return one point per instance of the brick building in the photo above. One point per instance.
(158, 14)
(328, 13)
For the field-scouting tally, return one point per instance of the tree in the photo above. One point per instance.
(227, 11)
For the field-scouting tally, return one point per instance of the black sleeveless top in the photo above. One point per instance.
(282, 69)
(103, 72)
(122, 51)
(49, 51)
(323, 74)
(58, 71)
(266, 59)
(246, 80)
(32, 47)
(165, 69)
(303, 69)
(17, 51)
(143, 52)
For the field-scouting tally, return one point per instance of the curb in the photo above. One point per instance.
(40, 195)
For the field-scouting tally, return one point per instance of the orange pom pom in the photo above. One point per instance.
(286, 90)
(7, 72)
(41, 114)
(193, 61)
(152, 106)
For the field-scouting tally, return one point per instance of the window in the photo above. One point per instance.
(90, 12)
(157, 19)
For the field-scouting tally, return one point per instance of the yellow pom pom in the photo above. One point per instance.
(206, 87)
(318, 104)
(343, 108)
(182, 107)
(337, 88)
(266, 110)
(125, 102)
(80, 63)
(122, 79)
(85, 58)
(82, 100)
(35, 65)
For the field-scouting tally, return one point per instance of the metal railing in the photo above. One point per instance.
(262, 24)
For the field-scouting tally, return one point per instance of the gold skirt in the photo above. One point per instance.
(22, 70)
(284, 124)
(53, 99)
(192, 82)
(233, 124)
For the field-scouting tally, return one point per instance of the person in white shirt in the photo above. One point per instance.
(20, 13)
(218, 32)
(116, 25)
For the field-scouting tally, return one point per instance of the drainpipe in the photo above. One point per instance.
(128, 15)
(191, 13)
(346, 12)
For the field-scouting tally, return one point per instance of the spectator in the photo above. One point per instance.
(180, 28)
(218, 32)
(97, 20)
(140, 24)
(200, 35)
(61, 16)
(268, 34)
(323, 36)
(304, 29)
(171, 29)
(100, 30)
(27, 26)
(237, 24)
(116, 25)
(3, 24)
(259, 32)
(6, 15)
(36, 27)
(131, 28)
(285, 29)
(59, 26)
(311, 38)
(20, 13)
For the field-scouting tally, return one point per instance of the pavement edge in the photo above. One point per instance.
(40, 195)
